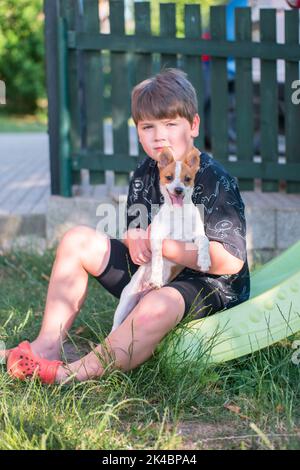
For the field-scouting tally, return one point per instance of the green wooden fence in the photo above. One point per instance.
(90, 75)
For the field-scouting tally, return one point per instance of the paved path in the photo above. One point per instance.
(24, 173)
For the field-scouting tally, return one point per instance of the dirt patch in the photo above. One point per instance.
(233, 437)
(208, 436)
(74, 352)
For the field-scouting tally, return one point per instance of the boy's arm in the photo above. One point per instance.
(145, 233)
(186, 254)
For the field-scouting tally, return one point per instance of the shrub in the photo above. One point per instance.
(22, 65)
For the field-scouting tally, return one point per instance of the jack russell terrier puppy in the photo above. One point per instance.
(176, 185)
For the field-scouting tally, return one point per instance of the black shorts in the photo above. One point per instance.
(200, 300)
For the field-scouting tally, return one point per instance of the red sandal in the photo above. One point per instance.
(22, 363)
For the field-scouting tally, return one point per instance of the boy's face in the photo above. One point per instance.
(177, 134)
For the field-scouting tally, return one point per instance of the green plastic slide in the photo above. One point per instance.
(271, 314)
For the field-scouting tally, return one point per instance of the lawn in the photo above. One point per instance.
(251, 403)
(22, 123)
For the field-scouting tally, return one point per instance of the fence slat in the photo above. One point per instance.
(219, 90)
(143, 62)
(143, 68)
(292, 110)
(93, 86)
(244, 97)
(269, 170)
(63, 113)
(69, 11)
(119, 90)
(168, 30)
(51, 46)
(268, 98)
(245, 50)
(193, 64)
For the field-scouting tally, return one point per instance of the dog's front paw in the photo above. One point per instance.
(155, 282)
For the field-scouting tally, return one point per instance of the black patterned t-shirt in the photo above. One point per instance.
(224, 218)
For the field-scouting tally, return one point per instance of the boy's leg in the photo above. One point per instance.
(134, 341)
(81, 251)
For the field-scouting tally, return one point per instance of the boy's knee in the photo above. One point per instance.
(74, 238)
(151, 311)
(79, 239)
(89, 246)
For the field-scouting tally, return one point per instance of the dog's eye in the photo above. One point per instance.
(169, 178)
(187, 179)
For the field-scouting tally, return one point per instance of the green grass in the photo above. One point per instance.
(251, 403)
(23, 123)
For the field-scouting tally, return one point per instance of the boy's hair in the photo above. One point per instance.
(165, 95)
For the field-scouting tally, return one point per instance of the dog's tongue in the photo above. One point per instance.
(176, 200)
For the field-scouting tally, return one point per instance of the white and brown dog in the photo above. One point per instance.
(178, 219)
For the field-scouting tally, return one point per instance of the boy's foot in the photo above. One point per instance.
(42, 351)
(45, 352)
(22, 362)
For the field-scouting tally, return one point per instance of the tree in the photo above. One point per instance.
(22, 65)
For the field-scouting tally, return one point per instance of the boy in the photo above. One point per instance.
(164, 109)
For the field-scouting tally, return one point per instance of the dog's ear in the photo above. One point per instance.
(193, 159)
(165, 158)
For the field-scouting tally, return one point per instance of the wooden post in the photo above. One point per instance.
(244, 98)
(58, 122)
(268, 98)
(51, 13)
(219, 88)
(292, 110)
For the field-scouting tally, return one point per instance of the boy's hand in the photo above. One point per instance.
(138, 243)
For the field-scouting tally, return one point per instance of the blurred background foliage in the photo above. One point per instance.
(22, 56)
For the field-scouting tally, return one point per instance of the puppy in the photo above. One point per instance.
(178, 219)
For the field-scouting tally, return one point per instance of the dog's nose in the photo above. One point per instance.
(178, 191)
